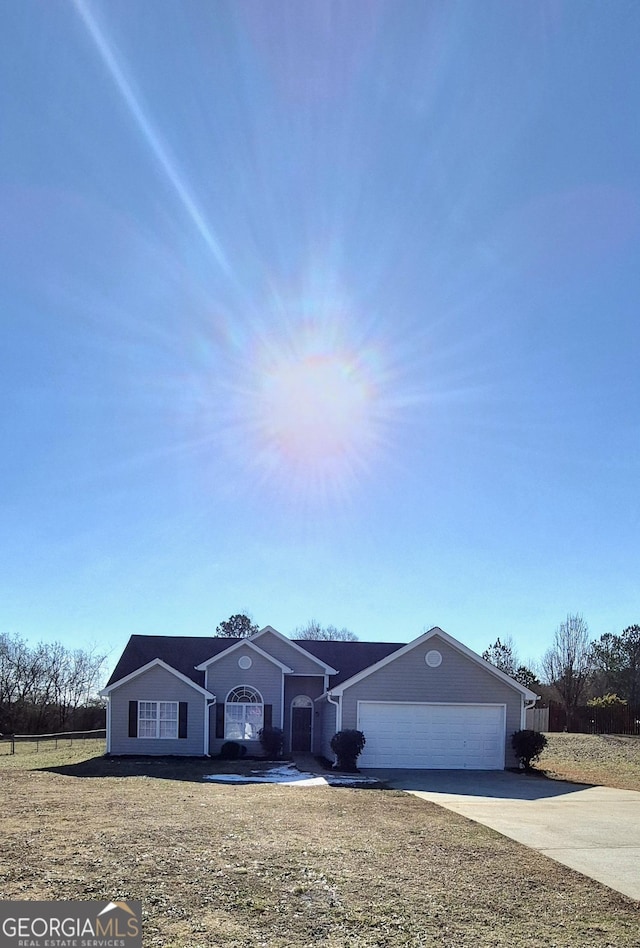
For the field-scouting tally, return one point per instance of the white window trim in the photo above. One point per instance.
(157, 736)
(242, 704)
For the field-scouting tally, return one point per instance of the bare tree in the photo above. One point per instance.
(43, 687)
(567, 665)
(328, 633)
(9, 646)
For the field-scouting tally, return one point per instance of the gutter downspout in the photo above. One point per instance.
(526, 706)
(338, 705)
(108, 723)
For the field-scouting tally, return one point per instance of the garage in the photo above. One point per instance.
(433, 736)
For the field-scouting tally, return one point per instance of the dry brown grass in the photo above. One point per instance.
(51, 749)
(275, 866)
(608, 760)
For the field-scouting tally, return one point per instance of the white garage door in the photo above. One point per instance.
(432, 736)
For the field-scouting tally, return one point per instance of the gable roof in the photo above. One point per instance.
(156, 663)
(249, 644)
(454, 643)
(327, 668)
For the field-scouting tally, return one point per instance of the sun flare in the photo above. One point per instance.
(314, 406)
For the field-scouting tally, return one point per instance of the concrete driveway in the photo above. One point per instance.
(595, 830)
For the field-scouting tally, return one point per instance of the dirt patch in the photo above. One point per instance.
(273, 866)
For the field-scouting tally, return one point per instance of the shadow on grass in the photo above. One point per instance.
(200, 770)
(187, 769)
(206, 770)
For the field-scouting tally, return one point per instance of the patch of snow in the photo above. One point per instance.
(290, 776)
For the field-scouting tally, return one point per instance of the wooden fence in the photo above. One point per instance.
(33, 743)
(537, 719)
(624, 719)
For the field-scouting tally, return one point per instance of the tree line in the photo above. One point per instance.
(576, 670)
(48, 687)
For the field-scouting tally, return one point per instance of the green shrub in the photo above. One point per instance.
(347, 745)
(528, 746)
(271, 740)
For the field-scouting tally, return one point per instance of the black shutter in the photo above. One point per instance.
(182, 719)
(268, 709)
(220, 720)
(133, 719)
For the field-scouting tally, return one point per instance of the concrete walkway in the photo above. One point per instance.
(595, 830)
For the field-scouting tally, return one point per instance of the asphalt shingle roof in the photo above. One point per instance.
(348, 658)
(184, 652)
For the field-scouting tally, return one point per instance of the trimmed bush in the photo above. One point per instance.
(347, 745)
(528, 746)
(272, 741)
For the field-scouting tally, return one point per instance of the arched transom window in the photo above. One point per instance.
(244, 714)
(302, 701)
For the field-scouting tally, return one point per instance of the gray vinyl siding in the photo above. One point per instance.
(326, 730)
(294, 685)
(225, 674)
(289, 655)
(156, 684)
(457, 680)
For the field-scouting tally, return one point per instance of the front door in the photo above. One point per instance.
(301, 717)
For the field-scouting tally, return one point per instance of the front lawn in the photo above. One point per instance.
(606, 759)
(263, 866)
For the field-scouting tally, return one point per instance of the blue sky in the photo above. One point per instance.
(319, 310)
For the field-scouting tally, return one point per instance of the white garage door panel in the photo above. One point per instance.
(429, 736)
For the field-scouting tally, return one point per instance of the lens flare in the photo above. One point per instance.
(152, 138)
(313, 409)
